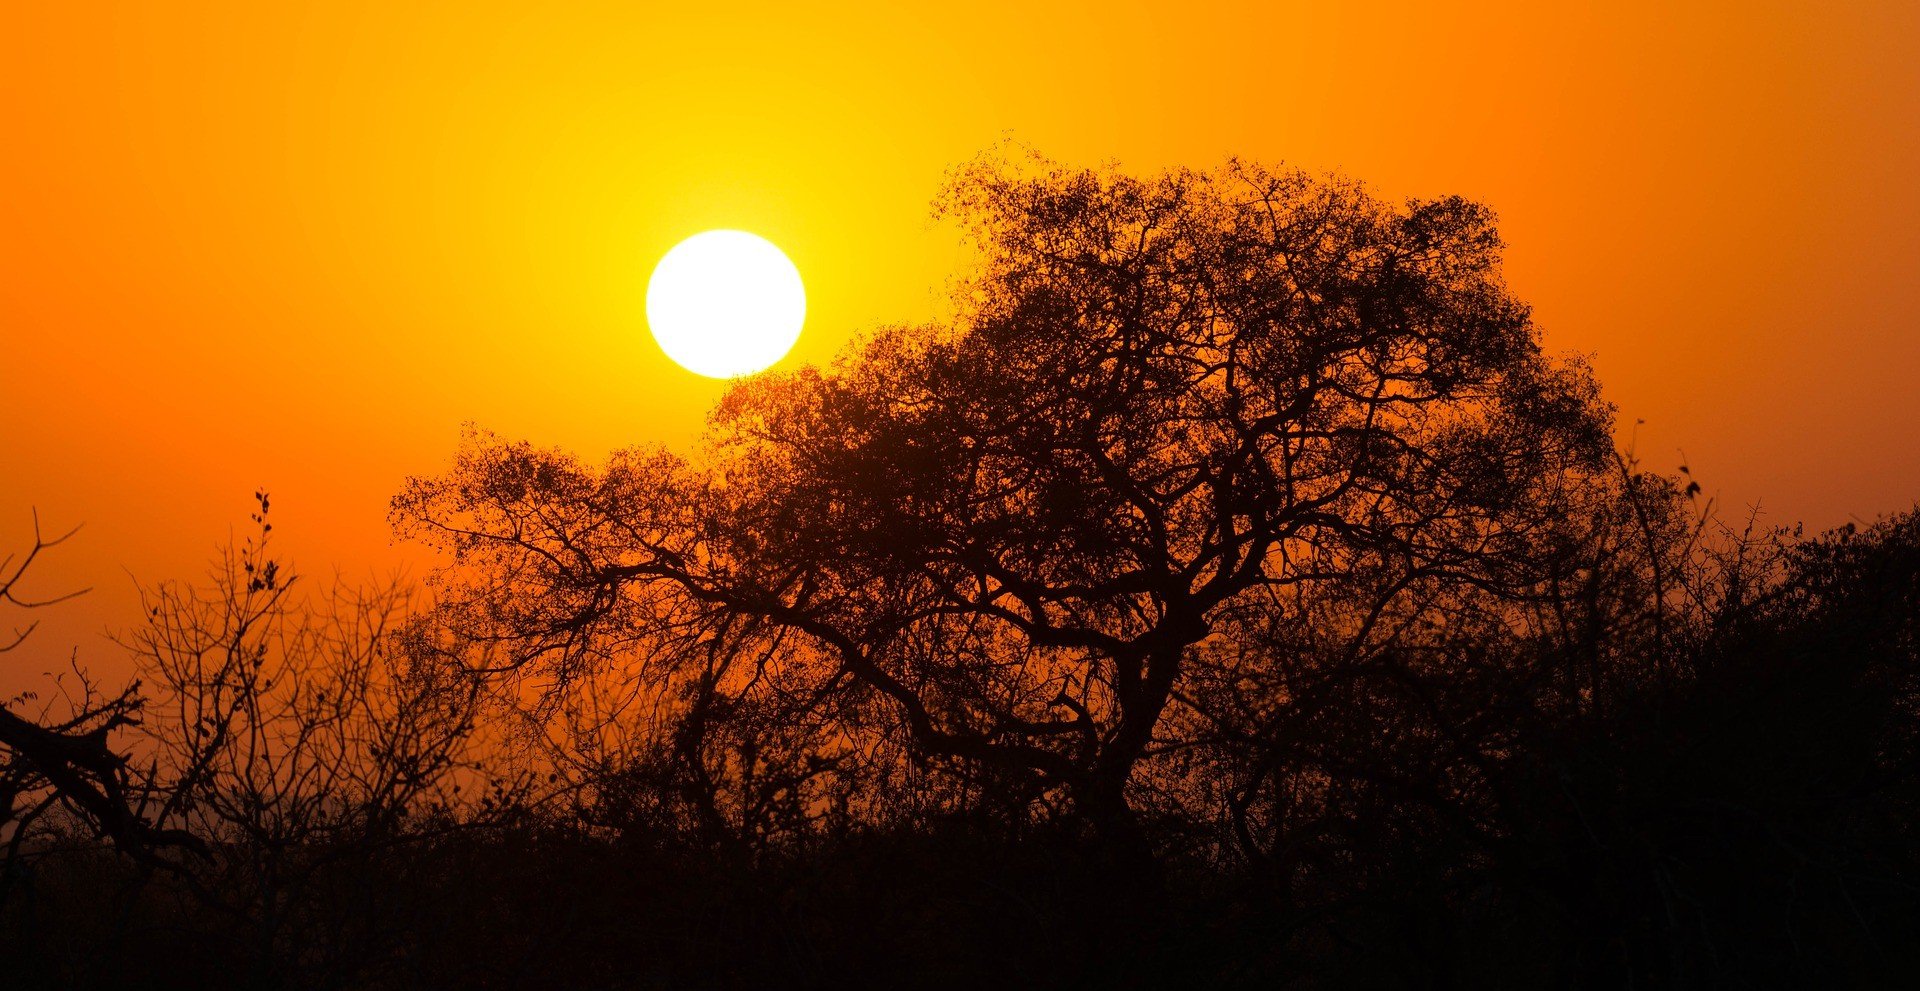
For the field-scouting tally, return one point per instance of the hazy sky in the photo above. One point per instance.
(297, 245)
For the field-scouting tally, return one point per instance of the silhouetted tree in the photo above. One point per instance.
(1012, 542)
(60, 757)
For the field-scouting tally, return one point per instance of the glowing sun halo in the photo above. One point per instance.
(725, 303)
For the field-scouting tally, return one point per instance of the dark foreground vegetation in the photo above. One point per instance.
(1232, 595)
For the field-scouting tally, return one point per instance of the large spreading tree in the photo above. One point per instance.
(1165, 411)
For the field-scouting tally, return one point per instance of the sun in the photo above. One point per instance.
(725, 303)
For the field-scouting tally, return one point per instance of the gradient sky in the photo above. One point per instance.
(297, 245)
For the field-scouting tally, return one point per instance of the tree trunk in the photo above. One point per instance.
(1122, 845)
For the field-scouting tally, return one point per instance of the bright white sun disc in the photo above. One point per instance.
(725, 303)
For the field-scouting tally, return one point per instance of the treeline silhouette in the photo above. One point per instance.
(1233, 593)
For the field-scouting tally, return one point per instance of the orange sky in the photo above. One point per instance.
(297, 245)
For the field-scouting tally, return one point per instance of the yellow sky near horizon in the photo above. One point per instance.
(297, 245)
